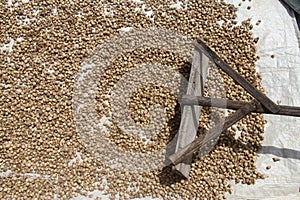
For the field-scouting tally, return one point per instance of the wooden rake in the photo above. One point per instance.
(187, 143)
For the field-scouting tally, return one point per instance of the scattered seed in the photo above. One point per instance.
(258, 22)
(276, 159)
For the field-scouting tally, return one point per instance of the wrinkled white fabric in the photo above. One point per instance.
(278, 35)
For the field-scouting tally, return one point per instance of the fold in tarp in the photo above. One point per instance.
(294, 4)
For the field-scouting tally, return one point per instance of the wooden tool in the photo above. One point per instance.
(187, 143)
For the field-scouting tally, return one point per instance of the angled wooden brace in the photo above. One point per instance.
(213, 133)
(263, 99)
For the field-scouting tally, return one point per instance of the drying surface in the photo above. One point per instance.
(280, 79)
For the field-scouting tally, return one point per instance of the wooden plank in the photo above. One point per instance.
(190, 114)
(212, 133)
(263, 99)
(235, 105)
(289, 111)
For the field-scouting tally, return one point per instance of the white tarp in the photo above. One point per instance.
(278, 35)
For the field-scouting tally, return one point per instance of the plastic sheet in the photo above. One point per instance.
(278, 33)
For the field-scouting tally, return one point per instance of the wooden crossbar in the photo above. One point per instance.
(234, 105)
